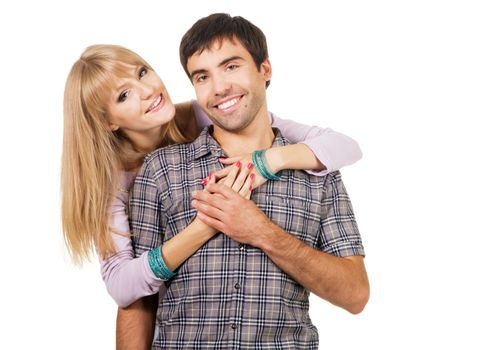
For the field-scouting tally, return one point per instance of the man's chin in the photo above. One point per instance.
(231, 126)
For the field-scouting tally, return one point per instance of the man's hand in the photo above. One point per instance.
(227, 211)
(340, 280)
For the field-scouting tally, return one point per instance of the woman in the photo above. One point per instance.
(116, 110)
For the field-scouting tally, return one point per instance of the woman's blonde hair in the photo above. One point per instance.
(93, 155)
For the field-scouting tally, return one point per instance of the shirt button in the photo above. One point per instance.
(241, 246)
(234, 326)
(237, 286)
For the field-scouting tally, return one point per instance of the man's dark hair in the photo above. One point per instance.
(220, 26)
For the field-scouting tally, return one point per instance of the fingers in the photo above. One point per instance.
(246, 189)
(211, 196)
(229, 161)
(211, 179)
(242, 175)
(222, 173)
(207, 209)
(216, 189)
(230, 178)
(211, 222)
(258, 180)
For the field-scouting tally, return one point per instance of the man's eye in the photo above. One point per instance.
(123, 96)
(231, 67)
(142, 72)
(201, 78)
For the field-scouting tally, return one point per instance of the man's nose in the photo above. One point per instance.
(221, 86)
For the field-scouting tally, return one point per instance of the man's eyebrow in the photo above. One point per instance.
(222, 63)
(233, 58)
(197, 71)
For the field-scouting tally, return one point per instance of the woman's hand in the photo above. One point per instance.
(245, 168)
(239, 179)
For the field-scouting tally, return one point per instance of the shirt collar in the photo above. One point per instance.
(205, 144)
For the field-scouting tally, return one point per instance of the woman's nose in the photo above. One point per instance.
(146, 90)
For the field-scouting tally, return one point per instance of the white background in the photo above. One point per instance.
(412, 81)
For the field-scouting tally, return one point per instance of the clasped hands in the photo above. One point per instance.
(225, 203)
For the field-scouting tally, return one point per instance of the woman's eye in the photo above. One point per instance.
(142, 72)
(123, 96)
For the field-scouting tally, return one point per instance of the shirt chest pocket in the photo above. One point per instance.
(298, 216)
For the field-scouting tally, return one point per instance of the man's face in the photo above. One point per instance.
(228, 85)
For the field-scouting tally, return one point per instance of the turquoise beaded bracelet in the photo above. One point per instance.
(259, 161)
(158, 265)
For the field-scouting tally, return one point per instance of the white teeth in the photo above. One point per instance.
(155, 103)
(228, 104)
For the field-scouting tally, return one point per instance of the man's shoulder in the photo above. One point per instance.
(169, 154)
(312, 180)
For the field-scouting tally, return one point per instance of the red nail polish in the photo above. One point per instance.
(250, 188)
(252, 175)
(203, 181)
(237, 164)
(250, 166)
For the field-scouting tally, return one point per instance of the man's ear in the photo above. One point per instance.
(266, 69)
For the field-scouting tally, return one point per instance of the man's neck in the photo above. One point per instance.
(257, 135)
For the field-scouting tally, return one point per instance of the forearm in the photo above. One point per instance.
(128, 278)
(179, 248)
(341, 281)
(296, 156)
(333, 149)
(135, 324)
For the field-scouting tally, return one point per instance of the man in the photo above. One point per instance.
(248, 287)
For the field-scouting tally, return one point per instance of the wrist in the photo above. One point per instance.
(275, 157)
(266, 236)
(200, 228)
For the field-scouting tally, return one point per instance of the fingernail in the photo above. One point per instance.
(250, 166)
(203, 181)
(237, 164)
(250, 187)
(193, 203)
(221, 158)
(252, 175)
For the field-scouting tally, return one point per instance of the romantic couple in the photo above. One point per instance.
(213, 219)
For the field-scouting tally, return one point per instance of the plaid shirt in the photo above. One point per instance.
(229, 295)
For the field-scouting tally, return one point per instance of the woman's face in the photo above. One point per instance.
(139, 105)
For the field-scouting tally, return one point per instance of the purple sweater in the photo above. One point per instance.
(128, 278)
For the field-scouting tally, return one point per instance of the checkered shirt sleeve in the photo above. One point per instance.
(339, 234)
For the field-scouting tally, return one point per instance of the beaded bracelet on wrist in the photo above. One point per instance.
(158, 265)
(260, 163)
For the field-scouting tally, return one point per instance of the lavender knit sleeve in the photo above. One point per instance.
(127, 278)
(332, 148)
